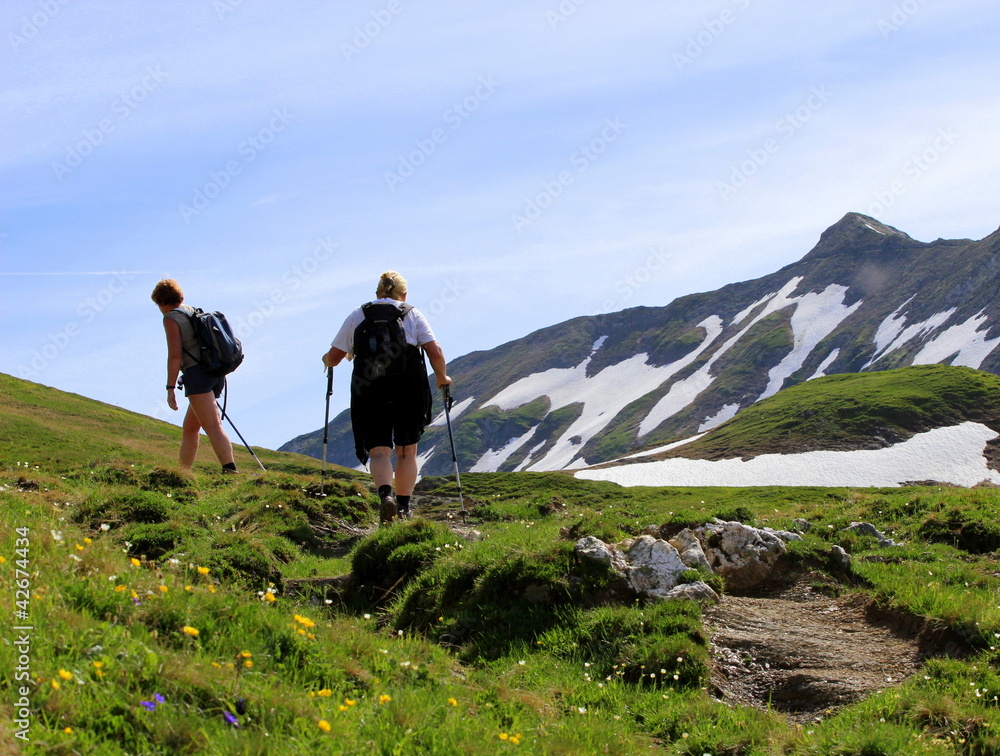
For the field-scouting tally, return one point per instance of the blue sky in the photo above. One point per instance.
(521, 163)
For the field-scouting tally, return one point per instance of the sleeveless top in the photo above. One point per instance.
(189, 341)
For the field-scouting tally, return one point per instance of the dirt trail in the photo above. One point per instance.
(803, 652)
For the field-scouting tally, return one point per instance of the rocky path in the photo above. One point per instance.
(802, 652)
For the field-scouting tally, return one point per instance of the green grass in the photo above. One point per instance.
(441, 642)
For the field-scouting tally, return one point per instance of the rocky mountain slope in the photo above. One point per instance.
(867, 297)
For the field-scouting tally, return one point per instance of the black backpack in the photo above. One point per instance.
(219, 351)
(380, 348)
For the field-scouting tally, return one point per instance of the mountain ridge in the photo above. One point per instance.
(866, 297)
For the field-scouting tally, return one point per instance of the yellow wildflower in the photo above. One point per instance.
(324, 725)
(162, 588)
(193, 632)
(342, 707)
(211, 589)
(248, 663)
(87, 541)
(203, 570)
(120, 588)
(65, 675)
(55, 685)
(453, 702)
(384, 699)
(350, 701)
(245, 654)
(504, 736)
(325, 692)
(68, 730)
(269, 597)
(135, 562)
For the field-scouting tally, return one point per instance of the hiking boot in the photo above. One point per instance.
(387, 510)
(404, 512)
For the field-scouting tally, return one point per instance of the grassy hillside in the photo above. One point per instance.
(854, 411)
(174, 612)
(62, 431)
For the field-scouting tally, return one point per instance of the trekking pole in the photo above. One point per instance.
(222, 409)
(446, 397)
(326, 427)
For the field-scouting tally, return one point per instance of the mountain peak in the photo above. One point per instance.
(856, 233)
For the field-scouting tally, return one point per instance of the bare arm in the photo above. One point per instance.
(436, 355)
(174, 351)
(334, 357)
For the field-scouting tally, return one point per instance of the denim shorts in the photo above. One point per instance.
(198, 381)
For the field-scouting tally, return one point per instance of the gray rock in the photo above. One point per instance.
(802, 526)
(697, 591)
(689, 547)
(592, 549)
(653, 566)
(743, 555)
(867, 529)
(840, 558)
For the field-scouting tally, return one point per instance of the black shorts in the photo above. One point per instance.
(198, 381)
(388, 424)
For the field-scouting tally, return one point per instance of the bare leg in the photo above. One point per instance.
(381, 465)
(207, 413)
(190, 432)
(406, 469)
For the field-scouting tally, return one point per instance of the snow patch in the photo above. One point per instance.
(456, 410)
(598, 344)
(603, 395)
(668, 447)
(494, 458)
(949, 455)
(875, 229)
(728, 412)
(830, 359)
(893, 335)
(965, 338)
(816, 315)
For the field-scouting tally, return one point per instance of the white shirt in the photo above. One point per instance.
(415, 326)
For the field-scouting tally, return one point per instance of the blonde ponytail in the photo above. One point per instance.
(391, 285)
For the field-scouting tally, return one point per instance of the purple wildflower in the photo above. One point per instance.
(159, 698)
(151, 705)
(231, 719)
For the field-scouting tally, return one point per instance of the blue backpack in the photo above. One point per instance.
(219, 351)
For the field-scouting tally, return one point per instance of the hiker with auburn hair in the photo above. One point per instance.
(390, 393)
(200, 387)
